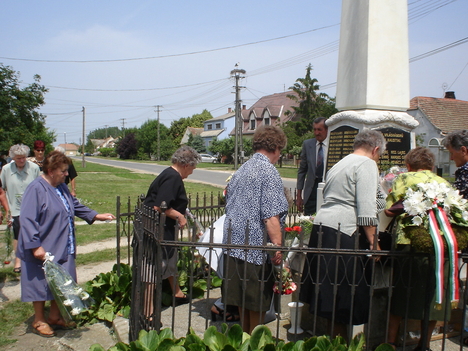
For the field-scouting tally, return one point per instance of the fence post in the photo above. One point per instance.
(117, 215)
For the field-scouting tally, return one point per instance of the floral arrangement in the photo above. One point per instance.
(387, 180)
(432, 211)
(422, 198)
(71, 299)
(284, 278)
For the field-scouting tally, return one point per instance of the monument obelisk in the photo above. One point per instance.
(373, 78)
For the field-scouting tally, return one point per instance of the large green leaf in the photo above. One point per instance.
(261, 336)
(106, 312)
(120, 346)
(96, 347)
(384, 347)
(357, 343)
(149, 340)
(234, 336)
(214, 340)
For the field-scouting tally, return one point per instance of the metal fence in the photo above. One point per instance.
(385, 277)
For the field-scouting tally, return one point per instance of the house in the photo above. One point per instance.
(270, 109)
(218, 127)
(70, 149)
(108, 142)
(437, 117)
(190, 131)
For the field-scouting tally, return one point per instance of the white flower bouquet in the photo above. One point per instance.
(71, 299)
(418, 203)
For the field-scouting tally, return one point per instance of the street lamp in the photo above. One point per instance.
(65, 136)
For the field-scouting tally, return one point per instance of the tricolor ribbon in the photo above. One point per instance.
(438, 222)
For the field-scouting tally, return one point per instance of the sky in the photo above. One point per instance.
(120, 59)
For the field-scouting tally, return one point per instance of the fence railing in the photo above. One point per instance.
(385, 275)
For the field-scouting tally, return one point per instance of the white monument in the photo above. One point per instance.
(373, 66)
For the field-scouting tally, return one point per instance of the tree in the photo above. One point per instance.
(197, 143)
(178, 127)
(147, 137)
(311, 103)
(225, 148)
(20, 122)
(127, 147)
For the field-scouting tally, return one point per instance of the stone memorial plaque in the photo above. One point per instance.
(398, 145)
(341, 142)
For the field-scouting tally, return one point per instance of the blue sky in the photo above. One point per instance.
(44, 37)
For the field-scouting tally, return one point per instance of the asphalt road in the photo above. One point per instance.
(216, 178)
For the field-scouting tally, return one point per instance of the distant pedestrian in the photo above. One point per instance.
(39, 151)
(15, 178)
(70, 179)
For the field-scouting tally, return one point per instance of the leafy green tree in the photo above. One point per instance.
(20, 122)
(197, 143)
(178, 127)
(311, 103)
(147, 137)
(225, 148)
(103, 133)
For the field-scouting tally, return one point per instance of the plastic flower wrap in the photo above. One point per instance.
(284, 279)
(71, 299)
(194, 222)
(386, 182)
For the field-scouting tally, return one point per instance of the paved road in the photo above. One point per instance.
(216, 178)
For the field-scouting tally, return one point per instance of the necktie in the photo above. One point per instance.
(319, 170)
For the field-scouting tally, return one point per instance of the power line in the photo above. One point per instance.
(172, 55)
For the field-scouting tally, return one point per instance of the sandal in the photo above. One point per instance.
(232, 313)
(17, 270)
(215, 312)
(60, 324)
(43, 329)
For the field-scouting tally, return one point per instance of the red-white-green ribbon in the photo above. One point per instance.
(438, 222)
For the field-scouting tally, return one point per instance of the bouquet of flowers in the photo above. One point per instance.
(284, 284)
(71, 299)
(419, 203)
(194, 223)
(432, 210)
(386, 182)
(291, 233)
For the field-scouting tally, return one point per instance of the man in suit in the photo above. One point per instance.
(312, 167)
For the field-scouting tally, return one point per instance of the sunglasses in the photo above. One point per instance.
(39, 150)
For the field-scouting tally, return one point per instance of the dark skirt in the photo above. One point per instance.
(247, 285)
(34, 286)
(339, 283)
(414, 287)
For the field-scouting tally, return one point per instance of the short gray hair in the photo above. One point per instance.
(370, 139)
(60, 149)
(19, 150)
(186, 156)
(456, 139)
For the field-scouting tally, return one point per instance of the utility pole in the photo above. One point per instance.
(159, 138)
(238, 147)
(83, 163)
(106, 130)
(123, 126)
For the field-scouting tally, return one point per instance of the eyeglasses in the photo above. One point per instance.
(39, 150)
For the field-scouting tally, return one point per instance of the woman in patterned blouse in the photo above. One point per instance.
(255, 204)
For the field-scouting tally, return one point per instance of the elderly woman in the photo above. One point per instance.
(39, 153)
(47, 225)
(169, 187)
(349, 204)
(255, 203)
(15, 178)
(415, 276)
(457, 145)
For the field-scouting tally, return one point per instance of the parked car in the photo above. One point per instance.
(87, 154)
(208, 158)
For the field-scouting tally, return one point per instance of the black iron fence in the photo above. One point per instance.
(341, 287)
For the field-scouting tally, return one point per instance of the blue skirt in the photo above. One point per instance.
(34, 286)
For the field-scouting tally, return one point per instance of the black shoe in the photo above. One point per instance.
(181, 300)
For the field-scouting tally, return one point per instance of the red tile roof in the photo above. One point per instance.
(447, 115)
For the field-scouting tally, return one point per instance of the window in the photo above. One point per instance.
(252, 121)
(209, 127)
(266, 121)
(218, 125)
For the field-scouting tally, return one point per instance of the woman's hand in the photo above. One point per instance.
(39, 253)
(104, 217)
(277, 258)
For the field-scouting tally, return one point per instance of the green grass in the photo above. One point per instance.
(13, 314)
